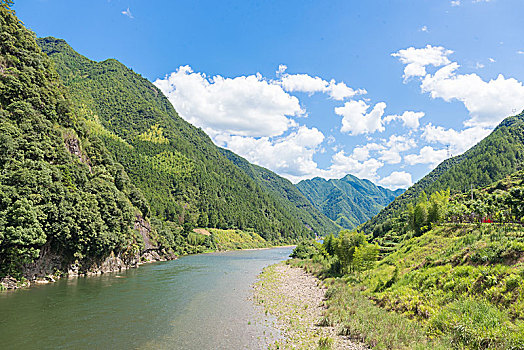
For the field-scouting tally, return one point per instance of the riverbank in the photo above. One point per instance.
(296, 300)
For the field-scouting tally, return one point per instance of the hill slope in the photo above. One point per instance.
(499, 154)
(63, 198)
(283, 191)
(349, 201)
(184, 176)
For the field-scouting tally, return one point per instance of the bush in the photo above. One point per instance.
(306, 250)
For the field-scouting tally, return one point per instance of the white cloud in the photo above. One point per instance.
(245, 106)
(397, 179)
(290, 156)
(427, 155)
(491, 60)
(520, 52)
(388, 150)
(479, 65)
(127, 13)
(361, 153)
(391, 149)
(424, 29)
(409, 119)
(343, 165)
(416, 60)
(306, 83)
(356, 120)
(458, 141)
(455, 2)
(487, 102)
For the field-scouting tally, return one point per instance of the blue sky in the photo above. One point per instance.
(384, 90)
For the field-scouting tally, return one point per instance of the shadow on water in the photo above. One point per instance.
(195, 302)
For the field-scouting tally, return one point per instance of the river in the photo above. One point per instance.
(195, 302)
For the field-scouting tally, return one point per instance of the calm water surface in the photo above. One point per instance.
(195, 302)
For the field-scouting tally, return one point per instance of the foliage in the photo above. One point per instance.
(495, 157)
(185, 178)
(286, 194)
(349, 201)
(305, 250)
(59, 187)
(456, 267)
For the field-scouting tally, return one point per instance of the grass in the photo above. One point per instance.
(237, 239)
(460, 283)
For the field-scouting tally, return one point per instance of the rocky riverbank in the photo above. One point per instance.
(296, 299)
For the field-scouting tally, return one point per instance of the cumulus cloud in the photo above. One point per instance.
(427, 155)
(397, 179)
(387, 151)
(343, 164)
(306, 83)
(458, 141)
(409, 119)
(245, 106)
(416, 60)
(488, 102)
(356, 120)
(391, 149)
(127, 13)
(290, 156)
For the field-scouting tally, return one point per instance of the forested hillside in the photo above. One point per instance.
(349, 201)
(499, 154)
(284, 192)
(184, 176)
(62, 196)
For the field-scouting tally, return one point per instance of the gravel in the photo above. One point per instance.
(296, 300)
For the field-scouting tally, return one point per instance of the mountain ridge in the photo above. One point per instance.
(348, 201)
(146, 129)
(491, 159)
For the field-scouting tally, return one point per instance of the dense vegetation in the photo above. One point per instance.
(184, 176)
(286, 194)
(493, 158)
(457, 267)
(349, 201)
(60, 190)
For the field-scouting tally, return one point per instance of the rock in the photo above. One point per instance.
(9, 282)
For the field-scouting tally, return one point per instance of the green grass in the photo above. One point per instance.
(361, 319)
(237, 239)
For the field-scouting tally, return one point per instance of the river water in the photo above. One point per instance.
(195, 302)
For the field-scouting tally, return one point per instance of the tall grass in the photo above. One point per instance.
(359, 318)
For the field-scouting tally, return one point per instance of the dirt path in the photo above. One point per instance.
(296, 298)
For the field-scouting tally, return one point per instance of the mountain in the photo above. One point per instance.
(284, 192)
(499, 154)
(349, 201)
(63, 199)
(185, 178)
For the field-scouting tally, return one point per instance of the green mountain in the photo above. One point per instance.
(63, 198)
(185, 178)
(496, 156)
(285, 193)
(349, 201)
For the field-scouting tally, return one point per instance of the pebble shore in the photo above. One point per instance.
(296, 300)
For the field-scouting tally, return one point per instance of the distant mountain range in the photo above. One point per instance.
(349, 201)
